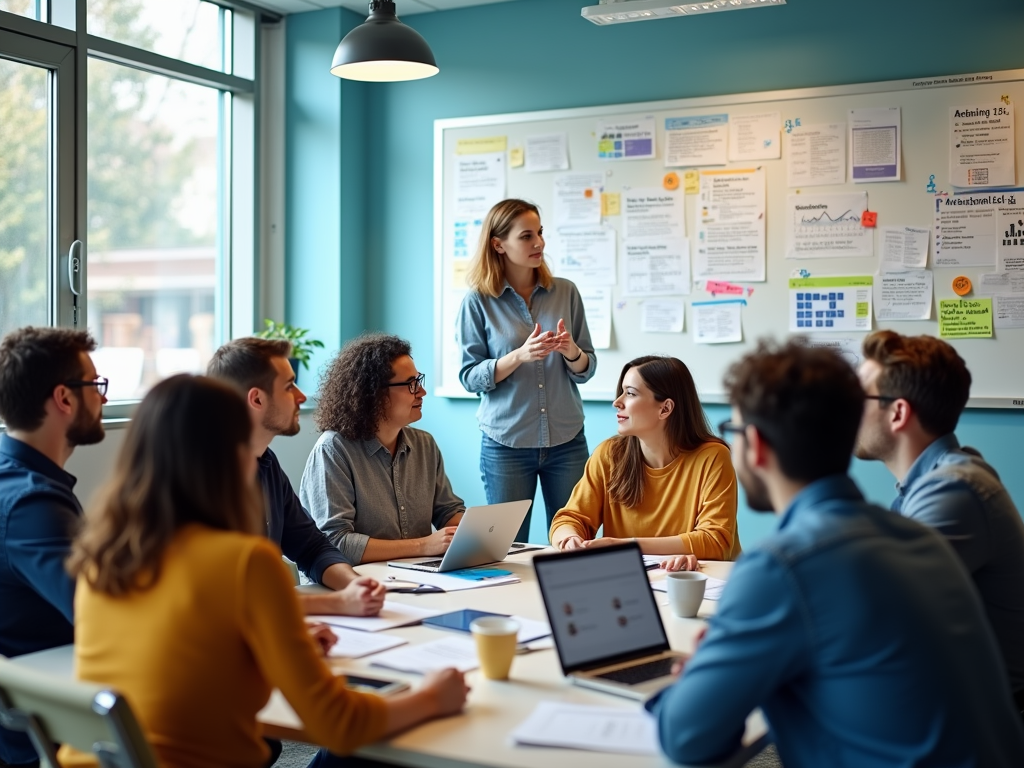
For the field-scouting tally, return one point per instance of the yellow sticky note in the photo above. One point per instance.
(691, 182)
(516, 157)
(611, 204)
(481, 145)
(965, 318)
(459, 269)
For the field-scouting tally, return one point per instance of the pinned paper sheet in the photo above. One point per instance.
(715, 287)
(904, 295)
(481, 146)
(611, 204)
(903, 248)
(547, 152)
(965, 318)
(516, 157)
(718, 322)
(662, 316)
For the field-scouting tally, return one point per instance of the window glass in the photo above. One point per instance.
(189, 30)
(32, 8)
(24, 195)
(153, 218)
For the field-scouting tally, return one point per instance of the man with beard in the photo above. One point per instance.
(916, 387)
(259, 368)
(51, 400)
(855, 630)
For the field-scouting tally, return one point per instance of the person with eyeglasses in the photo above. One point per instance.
(916, 388)
(51, 401)
(665, 481)
(375, 485)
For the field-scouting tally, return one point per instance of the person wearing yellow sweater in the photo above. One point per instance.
(188, 611)
(666, 480)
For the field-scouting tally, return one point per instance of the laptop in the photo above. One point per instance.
(605, 621)
(483, 536)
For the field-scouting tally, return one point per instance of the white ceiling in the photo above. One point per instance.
(404, 7)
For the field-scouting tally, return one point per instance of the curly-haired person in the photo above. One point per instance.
(374, 484)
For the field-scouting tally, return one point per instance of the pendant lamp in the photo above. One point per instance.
(382, 49)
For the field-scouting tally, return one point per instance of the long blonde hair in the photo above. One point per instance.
(487, 269)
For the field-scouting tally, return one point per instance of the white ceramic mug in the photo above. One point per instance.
(685, 592)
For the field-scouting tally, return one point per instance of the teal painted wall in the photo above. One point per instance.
(539, 54)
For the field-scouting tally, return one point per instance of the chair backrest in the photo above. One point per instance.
(88, 717)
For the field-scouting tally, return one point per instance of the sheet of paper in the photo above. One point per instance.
(717, 322)
(653, 213)
(712, 588)
(353, 644)
(456, 651)
(904, 295)
(875, 137)
(594, 729)
(965, 229)
(731, 221)
(830, 304)
(547, 152)
(981, 152)
(393, 614)
(611, 204)
(827, 226)
(656, 268)
(466, 239)
(965, 318)
(578, 199)
(447, 583)
(754, 137)
(999, 283)
(1009, 311)
(846, 347)
(626, 138)
(816, 155)
(696, 140)
(903, 248)
(585, 255)
(597, 306)
(531, 629)
(479, 183)
(662, 316)
(1010, 242)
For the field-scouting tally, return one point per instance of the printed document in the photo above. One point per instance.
(696, 140)
(830, 304)
(653, 213)
(875, 144)
(731, 226)
(904, 295)
(444, 581)
(393, 614)
(754, 137)
(981, 149)
(597, 307)
(816, 155)
(479, 183)
(662, 316)
(585, 255)
(965, 229)
(718, 322)
(656, 268)
(827, 226)
(626, 138)
(595, 729)
(1010, 233)
(456, 651)
(903, 248)
(547, 152)
(353, 644)
(578, 199)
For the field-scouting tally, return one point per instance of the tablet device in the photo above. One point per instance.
(458, 620)
(374, 685)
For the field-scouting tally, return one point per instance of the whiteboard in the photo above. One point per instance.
(996, 364)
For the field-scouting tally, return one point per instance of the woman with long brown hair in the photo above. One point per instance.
(525, 348)
(665, 481)
(184, 607)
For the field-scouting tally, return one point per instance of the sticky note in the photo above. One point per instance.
(691, 182)
(965, 318)
(516, 157)
(868, 219)
(611, 204)
(460, 267)
(962, 285)
(481, 145)
(671, 180)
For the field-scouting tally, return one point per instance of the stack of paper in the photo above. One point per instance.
(353, 644)
(595, 729)
(449, 583)
(391, 615)
(458, 652)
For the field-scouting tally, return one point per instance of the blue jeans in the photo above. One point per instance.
(511, 474)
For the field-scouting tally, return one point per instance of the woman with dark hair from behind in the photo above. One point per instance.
(665, 481)
(185, 608)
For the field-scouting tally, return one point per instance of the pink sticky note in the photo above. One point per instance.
(720, 286)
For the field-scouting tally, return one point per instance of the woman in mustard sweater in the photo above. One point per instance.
(185, 608)
(665, 480)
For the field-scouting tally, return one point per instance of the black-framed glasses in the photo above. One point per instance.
(100, 382)
(413, 384)
(883, 398)
(728, 426)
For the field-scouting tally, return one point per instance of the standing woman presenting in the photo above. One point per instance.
(525, 348)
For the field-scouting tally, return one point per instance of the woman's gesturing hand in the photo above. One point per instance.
(538, 345)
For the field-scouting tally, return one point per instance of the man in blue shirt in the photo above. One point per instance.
(916, 388)
(259, 368)
(855, 630)
(51, 401)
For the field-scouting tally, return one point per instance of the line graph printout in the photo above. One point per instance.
(827, 226)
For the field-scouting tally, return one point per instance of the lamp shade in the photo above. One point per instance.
(382, 49)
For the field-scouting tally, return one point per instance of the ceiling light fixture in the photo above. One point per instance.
(382, 49)
(623, 11)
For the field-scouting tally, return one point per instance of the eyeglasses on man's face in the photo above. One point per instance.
(883, 399)
(100, 382)
(728, 426)
(414, 384)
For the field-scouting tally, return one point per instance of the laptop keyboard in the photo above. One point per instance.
(640, 673)
(430, 563)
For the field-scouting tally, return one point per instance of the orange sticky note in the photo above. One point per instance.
(671, 180)
(588, 193)
(961, 285)
(868, 219)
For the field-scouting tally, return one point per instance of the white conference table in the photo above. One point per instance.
(479, 736)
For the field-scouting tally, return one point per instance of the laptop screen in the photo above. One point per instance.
(600, 606)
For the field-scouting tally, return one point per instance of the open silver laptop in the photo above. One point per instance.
(605, 621)
(483, 536)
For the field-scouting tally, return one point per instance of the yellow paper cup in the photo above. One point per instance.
(495, 644)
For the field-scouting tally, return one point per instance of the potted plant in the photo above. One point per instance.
(302, 347)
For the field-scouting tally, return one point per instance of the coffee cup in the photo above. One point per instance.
(685, 592)
(495, 644)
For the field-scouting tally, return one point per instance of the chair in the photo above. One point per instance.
(85, 716)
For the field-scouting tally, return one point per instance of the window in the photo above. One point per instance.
(156, 252)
